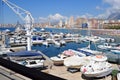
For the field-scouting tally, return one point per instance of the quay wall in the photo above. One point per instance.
(28, 72)
(106, 32)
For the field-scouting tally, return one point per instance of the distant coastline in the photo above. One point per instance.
(112, 32)
(115, 32)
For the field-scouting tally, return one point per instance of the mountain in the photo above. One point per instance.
(114, 16)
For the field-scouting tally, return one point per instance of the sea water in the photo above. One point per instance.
(52, 50)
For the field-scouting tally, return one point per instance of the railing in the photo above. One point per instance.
(28, 72)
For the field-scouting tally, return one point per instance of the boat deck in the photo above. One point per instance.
(61, 71)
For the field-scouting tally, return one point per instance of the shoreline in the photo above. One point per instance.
(110, 32)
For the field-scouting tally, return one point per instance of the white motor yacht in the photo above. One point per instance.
(105, 46)
(32, 63)
(76, 62)
(98, 67)
(32, 59)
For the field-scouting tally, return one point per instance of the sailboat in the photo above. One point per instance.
(87, 49)
(91, 37)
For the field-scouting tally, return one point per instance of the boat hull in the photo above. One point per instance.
(99, 74)
(57, 61)
(118, 76)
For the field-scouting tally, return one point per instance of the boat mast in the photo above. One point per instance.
(89, 33)
(89, 28)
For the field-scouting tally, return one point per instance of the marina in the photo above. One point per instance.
(68, 68)
(63, 73)
(57, 47)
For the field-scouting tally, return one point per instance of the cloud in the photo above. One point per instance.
(99, 8)
(115, 4)
(55, 17)
(113, 7)
(87, 15)
(103, 16)
(42, 20)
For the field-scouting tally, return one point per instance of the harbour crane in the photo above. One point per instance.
(26, 17)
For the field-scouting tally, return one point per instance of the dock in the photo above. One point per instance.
(61, 71)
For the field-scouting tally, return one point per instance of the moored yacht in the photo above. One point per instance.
(30, 59)
(105, 46)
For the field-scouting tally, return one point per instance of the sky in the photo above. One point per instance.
(42, 10)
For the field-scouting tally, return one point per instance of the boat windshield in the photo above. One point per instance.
(32, 62)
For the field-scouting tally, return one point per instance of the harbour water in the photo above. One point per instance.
(52, 50)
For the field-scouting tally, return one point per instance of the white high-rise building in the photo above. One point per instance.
(60, 23)
(71, 21)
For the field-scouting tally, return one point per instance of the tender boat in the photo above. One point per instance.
(93, 38)
(115, 51)
(32, 63)
(109, 46)
(76, 62)
(105, 46)
(98, 67)
(71, 52)
(58, 60)
(88, 51)
(30, 59)
(4, 51)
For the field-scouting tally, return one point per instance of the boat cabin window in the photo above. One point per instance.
(33, 62)
(23, 62)
(106, 44)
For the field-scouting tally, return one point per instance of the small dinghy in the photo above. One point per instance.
(32, 63)
(57, 60)
(98, 67)
(31, 59)
(76, 62)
